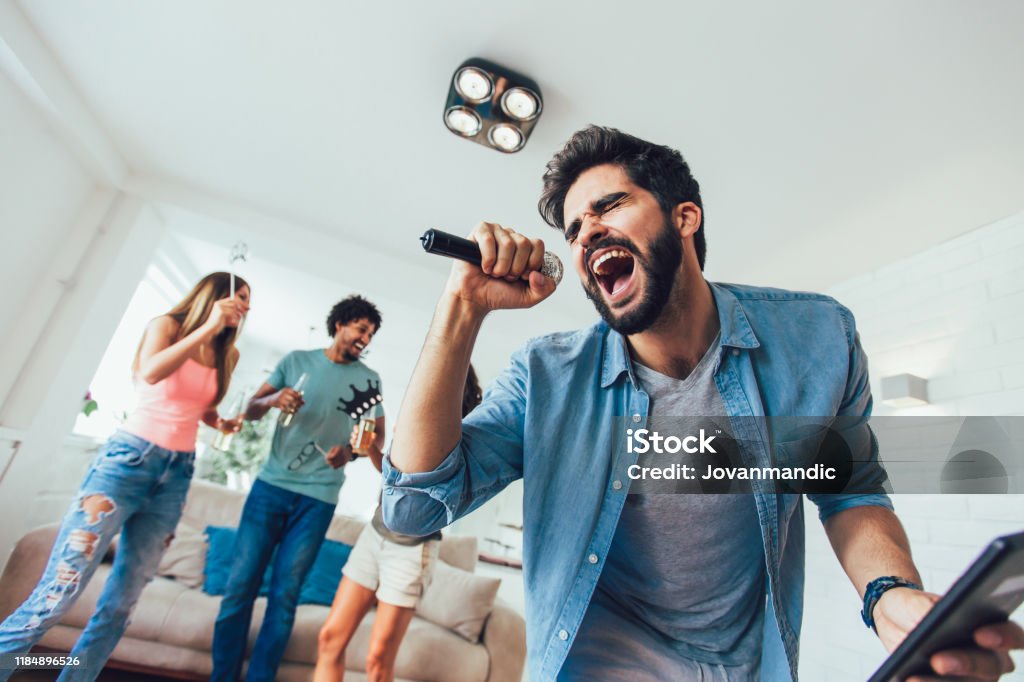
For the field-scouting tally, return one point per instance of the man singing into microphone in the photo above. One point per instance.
(649, 587)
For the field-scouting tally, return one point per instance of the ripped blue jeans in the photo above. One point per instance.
(134, 488)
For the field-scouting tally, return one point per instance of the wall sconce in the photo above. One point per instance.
(904, 390)
(492, 105)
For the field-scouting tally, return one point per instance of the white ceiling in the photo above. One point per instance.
(829, 138)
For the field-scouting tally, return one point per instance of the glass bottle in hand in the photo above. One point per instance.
(366, 431)
(286, 416)
(235, 412)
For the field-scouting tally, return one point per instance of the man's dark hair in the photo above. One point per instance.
(352, 308)
(656, 168)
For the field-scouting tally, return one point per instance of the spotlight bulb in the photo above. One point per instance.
(473, 84)
(506, 137)
(520, 104)
(463, 121)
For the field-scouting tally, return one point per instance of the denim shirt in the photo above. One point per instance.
(549, 419)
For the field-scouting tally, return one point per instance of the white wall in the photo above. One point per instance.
(953, 314)
(72, 252)
(42, 190)
(50, 385)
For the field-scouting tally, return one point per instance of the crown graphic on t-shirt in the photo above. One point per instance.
(361, 401)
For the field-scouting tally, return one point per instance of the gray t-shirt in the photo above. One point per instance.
(681, 595)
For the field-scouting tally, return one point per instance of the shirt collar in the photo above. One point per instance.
(736, 329)
(736, 332)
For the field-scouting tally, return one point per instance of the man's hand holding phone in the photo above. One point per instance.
(901, 609)
(965, 634)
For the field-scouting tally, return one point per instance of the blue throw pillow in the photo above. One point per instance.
(318, 588)
(220, 555)
(322, 581)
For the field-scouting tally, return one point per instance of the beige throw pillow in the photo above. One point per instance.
(458, 600)
(459, 551)
(185, 558)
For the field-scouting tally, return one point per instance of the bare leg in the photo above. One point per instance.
(388, 630)
(351, 602)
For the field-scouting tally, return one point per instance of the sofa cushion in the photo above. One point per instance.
(459, 551)
(428, 651)
(190, 621)
(345, 529)
(220, 556)
(322, 581)
(302, 645)
(209, 504)
(318, 588)
(185, 663)
(458, 600)
(25, 566)
(185, 558)
(431, 652)
(147, 619)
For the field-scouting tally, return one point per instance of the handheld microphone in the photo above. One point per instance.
(444, 244)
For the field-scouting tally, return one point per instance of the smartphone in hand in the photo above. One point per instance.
(988, 592)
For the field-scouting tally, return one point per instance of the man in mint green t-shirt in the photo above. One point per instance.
(292, 502)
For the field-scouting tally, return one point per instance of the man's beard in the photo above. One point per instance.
(659, 269)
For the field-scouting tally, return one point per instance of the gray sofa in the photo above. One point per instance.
(172, 627)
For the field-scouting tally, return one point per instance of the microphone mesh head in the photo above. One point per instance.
(552, 267)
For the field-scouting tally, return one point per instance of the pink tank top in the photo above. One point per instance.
(168, 412)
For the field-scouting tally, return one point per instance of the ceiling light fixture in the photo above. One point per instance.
(492, 105)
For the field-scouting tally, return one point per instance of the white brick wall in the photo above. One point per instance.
(953, 314)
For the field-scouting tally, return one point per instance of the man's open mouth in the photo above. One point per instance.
(613, 270)
(359, 346)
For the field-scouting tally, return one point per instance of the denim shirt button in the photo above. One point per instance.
(735, 351)
(617, 485)
(592, 558)
(636, 417)
(390, 491)
(563, 635)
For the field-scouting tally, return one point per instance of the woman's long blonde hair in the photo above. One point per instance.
(193, 311)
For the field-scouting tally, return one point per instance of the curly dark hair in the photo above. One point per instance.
(354, 307)
(660, 170)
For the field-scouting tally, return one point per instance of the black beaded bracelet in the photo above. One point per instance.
(874, 591)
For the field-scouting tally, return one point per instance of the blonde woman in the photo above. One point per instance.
(137, 484)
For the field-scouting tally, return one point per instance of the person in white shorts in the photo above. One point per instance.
(390, 567)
